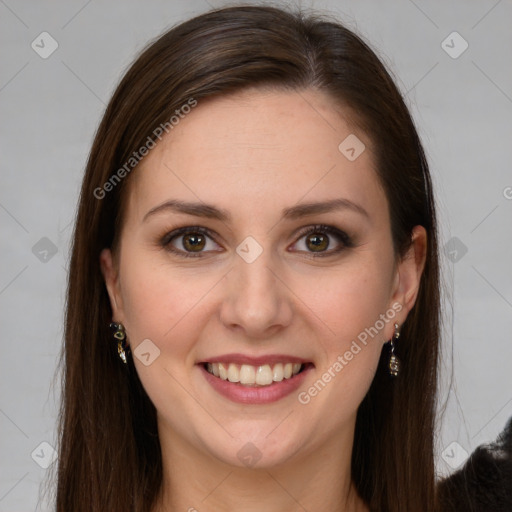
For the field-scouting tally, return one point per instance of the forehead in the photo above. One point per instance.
(256, 149)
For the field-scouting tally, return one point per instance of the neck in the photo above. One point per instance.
(195, 481)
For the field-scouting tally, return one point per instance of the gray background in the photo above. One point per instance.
(50, 109)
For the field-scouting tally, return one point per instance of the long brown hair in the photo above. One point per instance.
(110, 455)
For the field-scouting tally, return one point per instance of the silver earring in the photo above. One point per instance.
(120, 336)
(394, 362)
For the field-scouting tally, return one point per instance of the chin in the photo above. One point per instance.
(260, 451)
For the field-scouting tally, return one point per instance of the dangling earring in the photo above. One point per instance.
(120, 335)
(394, 362)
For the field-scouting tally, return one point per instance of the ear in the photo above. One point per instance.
(110, 271)
(409, 271)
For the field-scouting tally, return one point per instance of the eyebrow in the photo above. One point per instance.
(291, 213)
(304, 209)
(195, 209)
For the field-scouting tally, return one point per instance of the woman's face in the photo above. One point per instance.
(286, 265)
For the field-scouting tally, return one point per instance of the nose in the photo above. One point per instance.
(256, 300)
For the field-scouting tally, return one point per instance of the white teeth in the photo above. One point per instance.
(223, 373)
(264, 375)
(233, 373)
(249, 375)
(278, 374)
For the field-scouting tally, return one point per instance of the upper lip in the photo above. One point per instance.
(254, 361)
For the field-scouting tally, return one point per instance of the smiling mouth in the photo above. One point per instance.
(255, 376)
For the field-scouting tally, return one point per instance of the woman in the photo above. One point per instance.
(257, 227)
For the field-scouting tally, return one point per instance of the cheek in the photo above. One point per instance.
(349, 299)
(164, 305)
(353, 310)
(159, 302)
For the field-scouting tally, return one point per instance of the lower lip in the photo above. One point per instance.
(256, 395)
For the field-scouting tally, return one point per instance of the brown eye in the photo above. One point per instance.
(190, 241)
(194, 242)
(317, 242)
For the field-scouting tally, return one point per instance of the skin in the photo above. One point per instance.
(253, 154)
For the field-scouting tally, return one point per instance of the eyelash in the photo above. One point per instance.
(345, 240)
